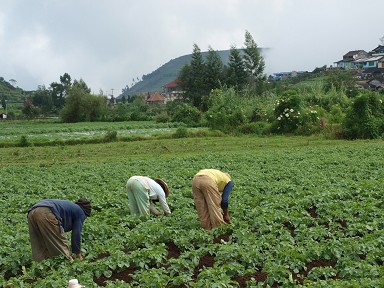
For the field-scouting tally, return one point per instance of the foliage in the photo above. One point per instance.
(225, 111)
(80, 105)
(287, 113)
(305, 201)
(365, 119)
(253, 61)
(255, 128)
(340, 80)
(237, 76)
(29, 109)
(192, 77)
(185, 113)
(181, 132)
(110, 136)
(42, 98)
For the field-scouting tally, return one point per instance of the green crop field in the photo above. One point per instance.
(306, 212)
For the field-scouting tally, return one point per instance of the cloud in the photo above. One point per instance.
(107, 43)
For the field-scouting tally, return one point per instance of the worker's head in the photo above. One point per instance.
(163, 185)
(85, 205)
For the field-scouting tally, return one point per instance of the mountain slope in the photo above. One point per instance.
(155, 81)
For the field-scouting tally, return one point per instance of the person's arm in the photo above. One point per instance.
(225, 196)
(224, 201)
(226, 217)
(76, 238)
(153, 210)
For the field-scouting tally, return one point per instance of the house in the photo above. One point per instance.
(156, 98)
(378, 51)
(370, 62)
(349, 59)
(172, 90)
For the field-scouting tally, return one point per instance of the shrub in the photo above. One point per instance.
(181, 132)
(23, 141)
(365, 119)
(309, 121)
(257, 128)
(287, 113)
(162, 117)
(336, 115)
(110, 136)
(186, 114)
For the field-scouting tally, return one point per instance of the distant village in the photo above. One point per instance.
(367, 67)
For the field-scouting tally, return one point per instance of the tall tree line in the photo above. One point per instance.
(198, 78)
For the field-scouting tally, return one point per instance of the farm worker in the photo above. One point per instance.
(211, 189)
(143, 192)
(48, 221)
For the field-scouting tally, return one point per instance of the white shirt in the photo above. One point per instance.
(155, 192)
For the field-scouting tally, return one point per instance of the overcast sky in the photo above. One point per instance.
(107, 43)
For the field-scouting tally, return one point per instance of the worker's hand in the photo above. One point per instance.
(227, 219)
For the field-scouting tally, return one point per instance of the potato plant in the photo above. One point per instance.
(306, 213)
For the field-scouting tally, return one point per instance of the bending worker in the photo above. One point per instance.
(143, 192)
(49, 219)
(211, 189)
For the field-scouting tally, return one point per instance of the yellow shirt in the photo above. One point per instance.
(220, 178)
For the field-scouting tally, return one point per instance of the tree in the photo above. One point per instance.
(29, 109)
(214, 76)
(236, 72)
(3, 102)
(192, 78)
(214, 70)
(80, 105)
(13, 82)
(59, 90)
(82, 85)
(253, 61)
(42, 99)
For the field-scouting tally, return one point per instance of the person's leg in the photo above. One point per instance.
(198, 187)
(213, 200)
(132, 201)
(142, 198)
(52, 238)
(39, 251)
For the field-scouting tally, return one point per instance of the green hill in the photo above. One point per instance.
(168, 72)
(10, 93)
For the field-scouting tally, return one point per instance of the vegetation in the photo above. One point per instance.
(304, 214)
(233, 97)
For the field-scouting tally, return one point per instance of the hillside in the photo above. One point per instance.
(168, 72)
(10, 93)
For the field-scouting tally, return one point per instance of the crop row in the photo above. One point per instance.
(302, 216)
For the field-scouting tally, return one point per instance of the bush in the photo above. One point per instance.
(162, 117)
(110, 136)
(187, 114)
(257, 128)
(181, 132)
(287, 113)
(23, 141)
(309, 121)
(365, 119)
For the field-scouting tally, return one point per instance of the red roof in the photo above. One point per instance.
(156, 98)
(172, 84)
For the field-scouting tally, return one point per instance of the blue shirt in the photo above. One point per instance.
(224, 197)
(70, 216)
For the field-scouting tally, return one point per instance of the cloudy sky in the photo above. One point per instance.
(107, 43)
